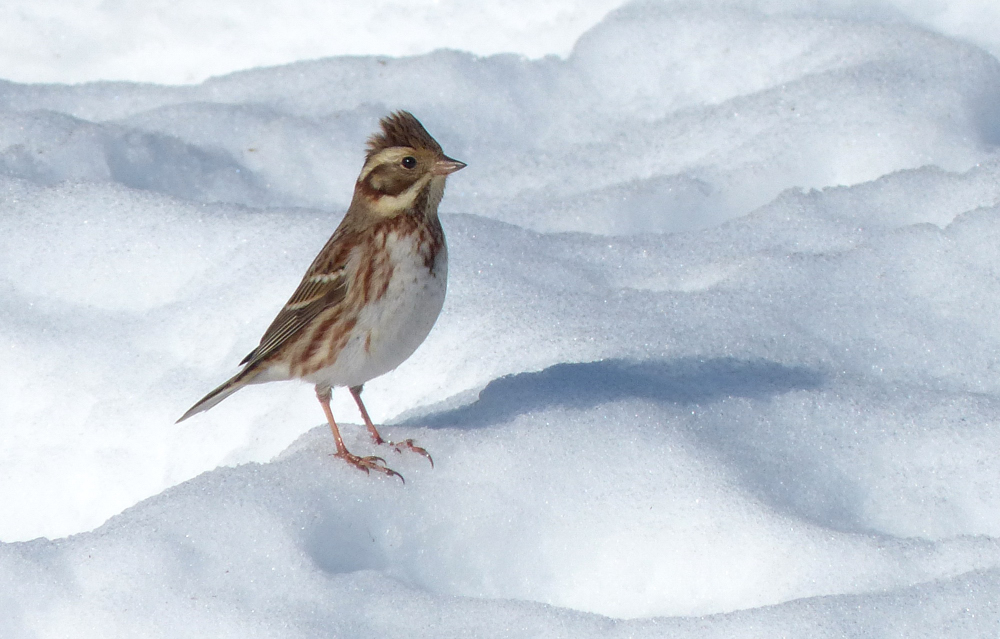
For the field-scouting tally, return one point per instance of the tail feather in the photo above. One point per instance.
(238, 381)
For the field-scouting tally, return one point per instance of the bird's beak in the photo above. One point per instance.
(446, 166)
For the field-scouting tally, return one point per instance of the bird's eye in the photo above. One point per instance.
(409, 162)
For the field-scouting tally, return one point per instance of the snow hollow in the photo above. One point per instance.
(718, 357)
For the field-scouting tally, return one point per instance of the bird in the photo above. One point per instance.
(374, 291)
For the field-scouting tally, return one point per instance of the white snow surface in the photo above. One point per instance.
(718, 356)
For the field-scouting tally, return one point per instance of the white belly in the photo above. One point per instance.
(389, 329)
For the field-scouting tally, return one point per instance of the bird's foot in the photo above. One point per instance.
(406, 444)
(368, 464)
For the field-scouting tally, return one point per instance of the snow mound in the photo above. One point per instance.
(718, 356)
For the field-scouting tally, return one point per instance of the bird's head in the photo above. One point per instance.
(404, 168)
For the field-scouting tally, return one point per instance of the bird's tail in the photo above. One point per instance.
(238, 381)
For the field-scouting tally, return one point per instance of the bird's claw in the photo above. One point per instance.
(406, 444)
(368, 464)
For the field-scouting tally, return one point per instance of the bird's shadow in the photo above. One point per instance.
(584, 385)
(772, 461)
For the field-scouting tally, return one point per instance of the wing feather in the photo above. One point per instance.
(317, 292)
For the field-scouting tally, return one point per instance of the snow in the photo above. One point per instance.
(717, 357)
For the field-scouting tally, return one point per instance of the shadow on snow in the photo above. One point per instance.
(773, 457)
(584, 385)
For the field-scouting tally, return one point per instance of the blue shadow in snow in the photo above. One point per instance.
(776, 462)
(678, 381)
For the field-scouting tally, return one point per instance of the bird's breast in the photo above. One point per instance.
(393, 301)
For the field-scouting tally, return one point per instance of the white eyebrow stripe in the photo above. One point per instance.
(385, 156)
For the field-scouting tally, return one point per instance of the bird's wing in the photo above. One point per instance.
(320, 289)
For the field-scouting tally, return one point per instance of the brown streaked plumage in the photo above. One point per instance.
(373, 292)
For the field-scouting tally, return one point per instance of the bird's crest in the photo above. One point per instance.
(401, 129)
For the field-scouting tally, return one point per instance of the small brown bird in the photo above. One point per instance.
(371, 296)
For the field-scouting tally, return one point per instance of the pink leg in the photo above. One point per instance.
(366, 464)
(406, 444)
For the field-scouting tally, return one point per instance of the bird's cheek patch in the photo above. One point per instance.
(388, 182)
